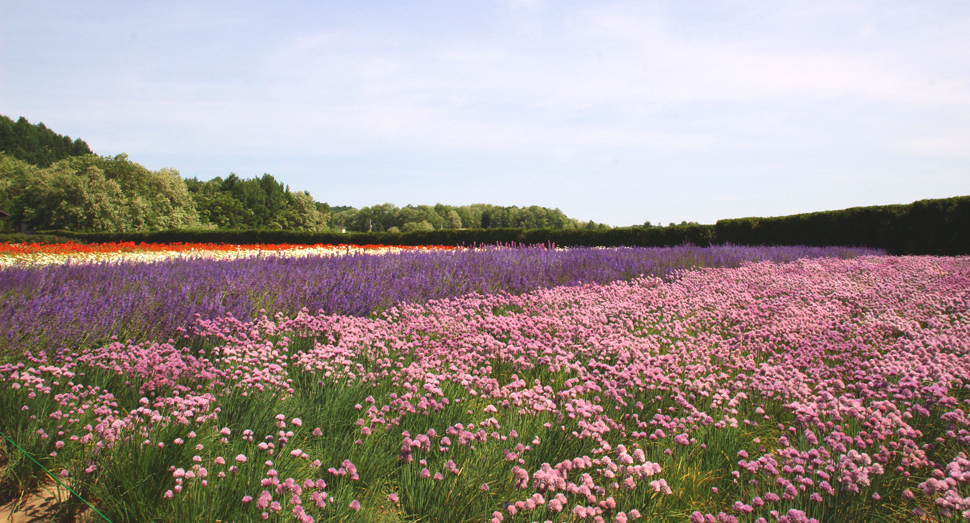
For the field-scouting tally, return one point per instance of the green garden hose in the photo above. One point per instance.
(54, 477)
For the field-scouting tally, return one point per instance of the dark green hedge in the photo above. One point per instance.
(650, 237)
(17, 237)
(940, 227)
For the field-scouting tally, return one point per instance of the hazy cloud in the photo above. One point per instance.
(709, 109)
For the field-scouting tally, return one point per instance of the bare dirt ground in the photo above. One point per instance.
(38, 506)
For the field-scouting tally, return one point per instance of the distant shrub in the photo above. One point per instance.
(35, 238)
(940, 227)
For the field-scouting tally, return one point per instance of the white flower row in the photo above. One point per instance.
(46, 259)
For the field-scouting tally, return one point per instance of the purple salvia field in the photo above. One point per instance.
(815, 390)
(71, 306)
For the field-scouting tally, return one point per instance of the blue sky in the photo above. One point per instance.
(619, 112)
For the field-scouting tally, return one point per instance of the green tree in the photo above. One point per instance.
(497, 217)
(63, 197)
(221, 210)
(345, 219)
(383, 216)
(471, 215)
(362, 221)
(303, 213)
(453, 220)
(409, 214)
(194, 185)
(278, 198)
(262, 202)
(253, 198)
(155, 200)
(98, 194)
(524, 218)
(429, 215)
(417, 226)
(325, 210)
(36, 144)
(14, 175)
(168, 203)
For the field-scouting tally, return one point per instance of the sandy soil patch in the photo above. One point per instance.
(38, 506)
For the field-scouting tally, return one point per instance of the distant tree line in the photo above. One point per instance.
(113, 194)
(937, 227)
(647, 224)
(36, 144)
(48, 182)
(256, 203)
(390, 218)
(94, 193)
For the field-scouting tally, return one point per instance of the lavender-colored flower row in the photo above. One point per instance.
(73, 305)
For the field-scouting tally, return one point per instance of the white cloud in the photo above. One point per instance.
(600, 77)
(672, 89)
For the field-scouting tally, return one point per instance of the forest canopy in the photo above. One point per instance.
(49, 182)
(94, 193)
(388, 217)
(36, 144)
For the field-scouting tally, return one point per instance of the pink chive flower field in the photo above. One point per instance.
(816, 389)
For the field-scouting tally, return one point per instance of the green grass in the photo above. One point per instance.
(132, 476)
